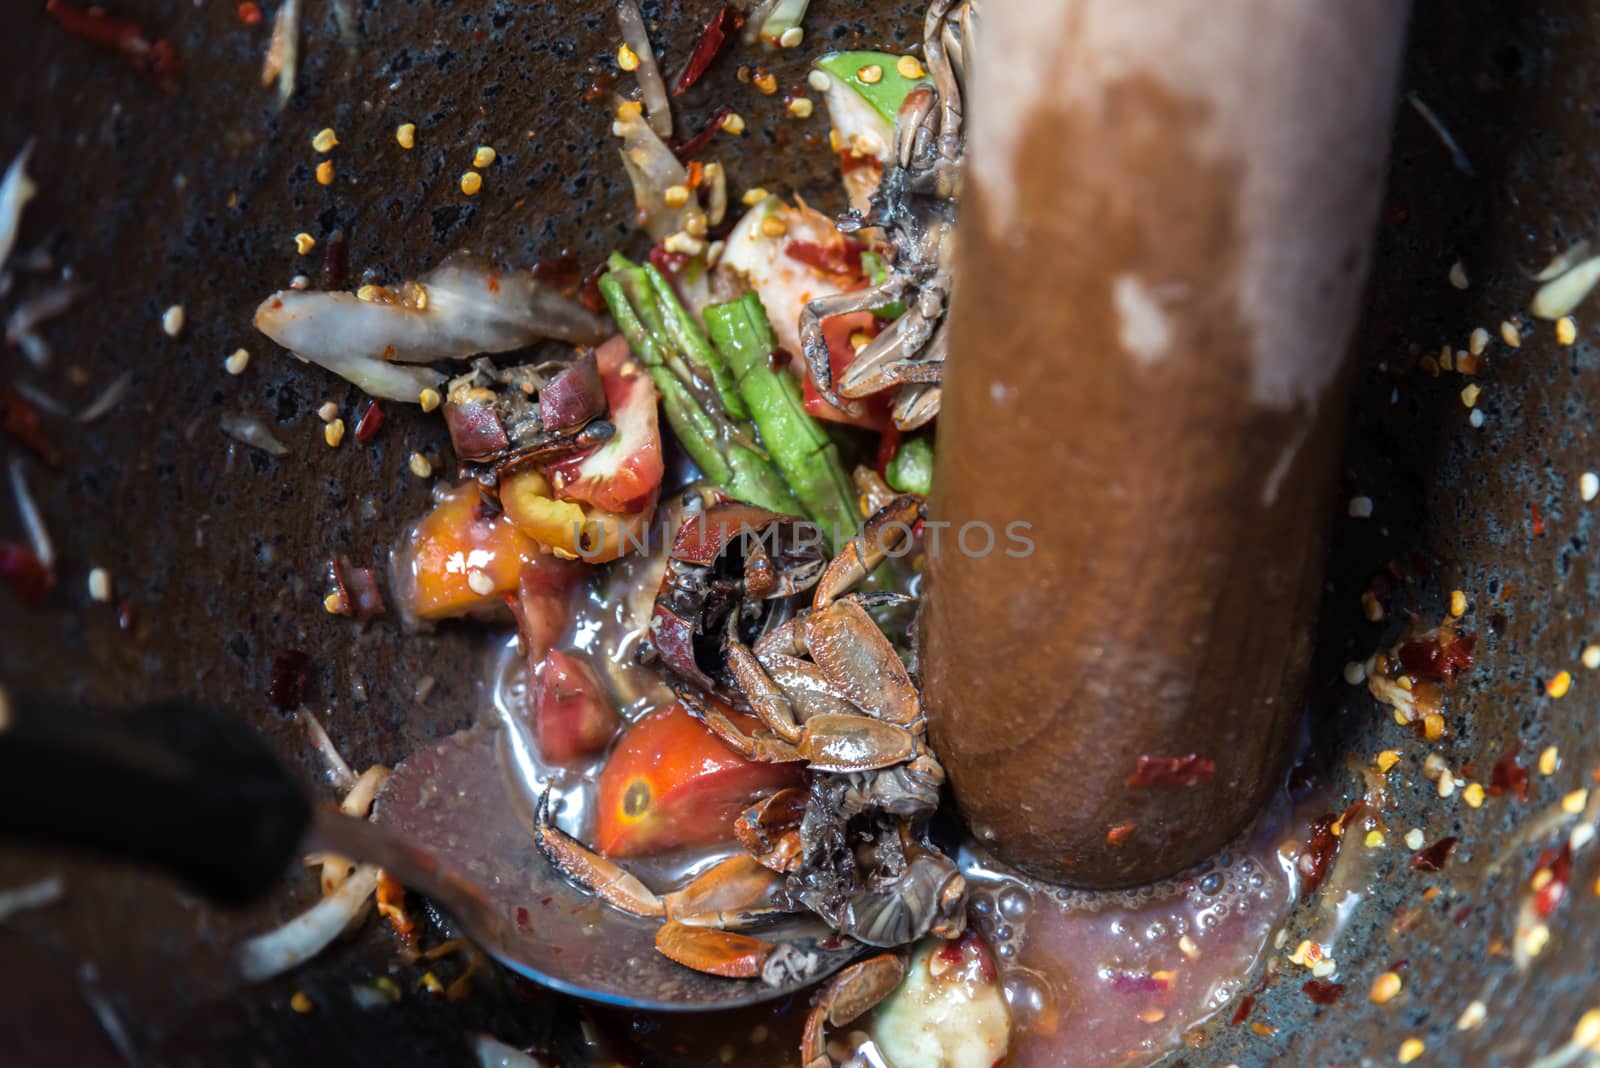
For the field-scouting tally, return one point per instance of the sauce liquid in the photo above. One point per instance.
(1091, 978)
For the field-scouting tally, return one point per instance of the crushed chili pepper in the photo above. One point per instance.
(1319, 854)
(336, 261)
(1538, 519)
(370, 423)
(1242, 1013)
(1172, 771)
(392, 907)
(667, 262)
(841, 258)
(20, 419)
(1558, 863)
(1433, 857)
(155, 60)
(589, 288)
(1508, 776)
(724, 24)
(286, 687)
(560, 270)
(888, 445)
(687, 150)
(1115, 836)
(1428, 658)
(1321, 992)
(30, 578)
(250, 13)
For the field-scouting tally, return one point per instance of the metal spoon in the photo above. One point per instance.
(203, 797)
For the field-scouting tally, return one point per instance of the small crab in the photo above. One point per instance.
(916, 206)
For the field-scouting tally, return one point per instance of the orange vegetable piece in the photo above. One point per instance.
(670, 782)
(459, 561)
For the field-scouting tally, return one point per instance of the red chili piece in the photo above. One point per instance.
(589, 288)
(1242, 1013)
(668, 262)
(286, 688)
(20, 419)
(1427, 659)
(1119, 834)
(1549, 896)
(888, 445)
(1319, 854)
(1323, 993)
(1432, 858)
(371, 422)
(335, 261)
(841, 258)
(30, 578)
(250, 13)
(1172, 771)
(155, 60)
(1508, 776)
(724, 24)
(560, 270)
(1538, 520)
(687, 150)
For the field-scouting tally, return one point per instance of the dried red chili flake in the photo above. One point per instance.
(1172, 771)
(1548, 897)
(724, 24)
(522, 919)
(370, 423)
(668, 262)
(1323, 993)
(336, 261)
(1538, 519)
(250, 13)
(1319, 853)
(1427, 658)
(1508, 776)
(589, 288)
(687, 150)
(560, 270)
(30, 578)
(20, 419)
(154, 59)
(841, 258)
(1242, 1013)
(1433, 857)
(287, 685)
(888, 445)
(358, 588)
(1115, 836)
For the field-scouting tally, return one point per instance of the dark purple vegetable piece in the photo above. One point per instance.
(475, 431)
(574, 396)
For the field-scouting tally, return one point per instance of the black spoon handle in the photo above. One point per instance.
(172, 784)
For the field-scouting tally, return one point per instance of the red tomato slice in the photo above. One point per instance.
(572, 714)
(620, 475)
(670, 782)
(456, 542)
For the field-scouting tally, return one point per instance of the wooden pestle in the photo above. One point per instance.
(1165, 226)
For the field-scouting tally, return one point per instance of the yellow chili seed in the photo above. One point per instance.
(871, 74)
(429, 399)
(333, 604)
(627, 58)
(333, 433)
(1433, 726)
(304, 243)
(1473, 795)
(909, 68)
(676, 196)
(1410, 1050)
(325, 140)
(772, 226)
(420, 466)
(1573, 803)
(325, 172)
(406, 134)
(1566, 330)
(300, 1003)
(1384, 987)
(766, 84)
(1458, 603)
(1587, 1033)
(1558, 686)
(471, 182)
(1510, 334)
(733, 123)
(1549, 760)
(753, 196)
(484, 157)
(1374, 839)
(801, 107)
(1387, 759)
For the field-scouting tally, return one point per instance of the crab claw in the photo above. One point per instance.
(851, 995)
(854, 743)
(605, 879)
(770, 829)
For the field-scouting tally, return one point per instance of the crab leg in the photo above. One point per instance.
(850, 649)
(807, 688)
(865, 374)
(706, 949)
(766, 698)
(762, 746)
(915, 406)
(884, 533)
(851, 994)
(789, 638)
(815, 346)
(735, 893)
(603, 878)
(854, 743)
